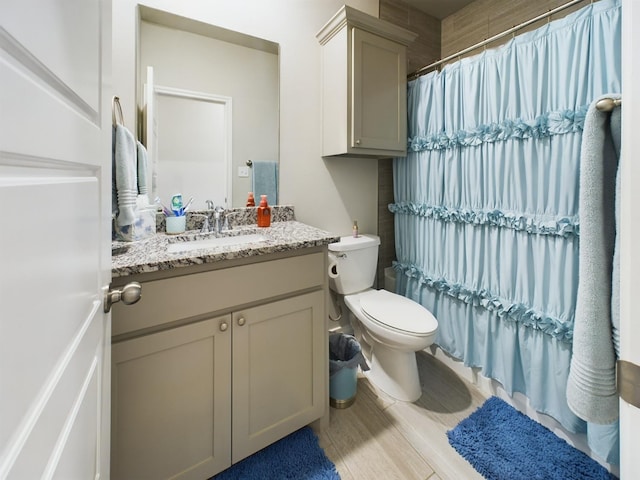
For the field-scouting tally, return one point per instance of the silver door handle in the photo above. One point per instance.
(130, 294)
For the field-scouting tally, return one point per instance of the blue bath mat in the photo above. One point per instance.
(502, 443)
(295, 457)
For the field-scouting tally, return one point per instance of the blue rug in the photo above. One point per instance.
(502, 443)
(295, 457)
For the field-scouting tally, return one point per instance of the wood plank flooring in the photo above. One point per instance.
(381, 438)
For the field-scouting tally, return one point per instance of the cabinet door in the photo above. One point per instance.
(379, 94)
(171, 403)
(279, 368)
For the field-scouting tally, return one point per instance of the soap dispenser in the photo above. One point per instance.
(264, 212)
(250, 200)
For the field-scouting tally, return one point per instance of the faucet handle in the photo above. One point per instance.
(227, 225)
(205, 221)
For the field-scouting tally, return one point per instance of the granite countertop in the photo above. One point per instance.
(150, 255)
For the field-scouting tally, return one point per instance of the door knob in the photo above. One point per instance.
(130, 294)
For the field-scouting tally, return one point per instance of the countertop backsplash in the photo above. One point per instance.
(237, 217)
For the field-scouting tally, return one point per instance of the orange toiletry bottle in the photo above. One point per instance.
(264, 212)
(250, 200)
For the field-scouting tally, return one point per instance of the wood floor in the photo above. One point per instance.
(380, 438)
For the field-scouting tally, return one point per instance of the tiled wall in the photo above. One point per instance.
(470, 25)
(424, 50)
(483, 19)
(426, 47)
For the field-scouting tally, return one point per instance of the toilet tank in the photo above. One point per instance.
(352, 263)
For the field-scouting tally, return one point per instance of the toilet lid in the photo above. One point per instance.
(399, 313)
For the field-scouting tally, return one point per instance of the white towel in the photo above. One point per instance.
(591, 387)
(125, 173)
(142, 169)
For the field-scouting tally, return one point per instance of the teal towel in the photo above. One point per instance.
(591, 386)
(265, 181)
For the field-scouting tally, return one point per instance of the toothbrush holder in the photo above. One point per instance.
(176, 225)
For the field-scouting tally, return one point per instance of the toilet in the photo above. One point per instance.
(391, 328)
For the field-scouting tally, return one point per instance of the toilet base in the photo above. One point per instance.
(395, 372)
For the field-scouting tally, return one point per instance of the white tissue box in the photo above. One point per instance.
(143, 227)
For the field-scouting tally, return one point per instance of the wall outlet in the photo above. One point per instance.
(243, 171)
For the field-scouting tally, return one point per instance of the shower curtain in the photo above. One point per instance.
(486, 203)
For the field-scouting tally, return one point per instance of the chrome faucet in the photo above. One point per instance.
(210, 205)
(218, 215)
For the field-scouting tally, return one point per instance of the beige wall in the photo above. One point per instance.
(326, 193)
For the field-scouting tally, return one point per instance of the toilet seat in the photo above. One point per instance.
(398, 313)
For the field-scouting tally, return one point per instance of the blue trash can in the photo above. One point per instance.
(345, 354)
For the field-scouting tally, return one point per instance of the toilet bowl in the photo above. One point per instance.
(390, 327)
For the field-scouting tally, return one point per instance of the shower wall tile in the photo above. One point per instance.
(484, 18)
(387, 251)
(424, 50)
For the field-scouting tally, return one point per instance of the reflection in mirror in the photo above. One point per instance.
(188, 55)
(193, 146)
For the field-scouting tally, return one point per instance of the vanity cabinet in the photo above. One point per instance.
(364, 86)
(213, 366)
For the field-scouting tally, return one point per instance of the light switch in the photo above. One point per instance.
(243, 171)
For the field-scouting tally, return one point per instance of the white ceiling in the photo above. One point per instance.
(439, 8)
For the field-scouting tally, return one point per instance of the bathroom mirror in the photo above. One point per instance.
(216, 107)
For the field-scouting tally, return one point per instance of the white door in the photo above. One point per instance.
(55, 176)
(630, 219)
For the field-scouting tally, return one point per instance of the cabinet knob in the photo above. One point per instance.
(358, 142)
(224, 326)
(242, 321)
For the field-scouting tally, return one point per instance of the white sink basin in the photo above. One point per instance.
(189, 245)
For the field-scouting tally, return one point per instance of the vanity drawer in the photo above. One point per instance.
(178, 298)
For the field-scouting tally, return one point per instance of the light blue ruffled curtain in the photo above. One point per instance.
(486, 203)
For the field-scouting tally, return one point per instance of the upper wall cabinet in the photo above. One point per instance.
(364, 86)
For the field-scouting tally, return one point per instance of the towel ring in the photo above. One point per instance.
(116, 109)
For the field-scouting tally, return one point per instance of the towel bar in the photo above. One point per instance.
(608, 104)
(116, 109)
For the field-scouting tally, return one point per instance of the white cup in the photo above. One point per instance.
(176, 224)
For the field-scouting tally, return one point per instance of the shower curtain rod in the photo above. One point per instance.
(423, 70)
